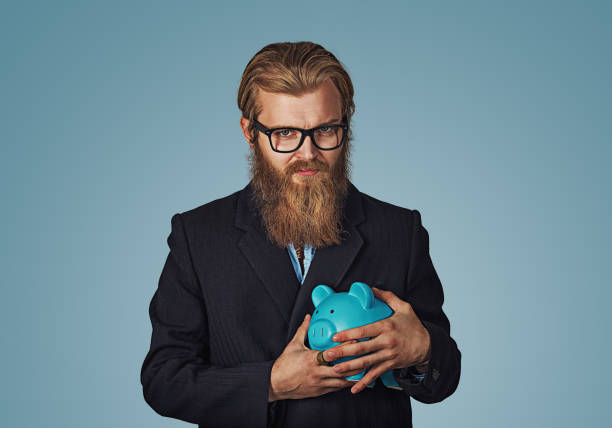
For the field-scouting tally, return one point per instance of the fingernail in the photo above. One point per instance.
(335, 338)
(331, 355)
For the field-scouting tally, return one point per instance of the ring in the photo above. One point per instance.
(321, 360)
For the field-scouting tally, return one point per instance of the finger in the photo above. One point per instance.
(335, 383)
(366, 361)
(333, 355)
(369, 330)
(370, 376)
(353, 348)
(324, 372)
(389, 298)
(302, 331)
(349, 373)
(331, 374)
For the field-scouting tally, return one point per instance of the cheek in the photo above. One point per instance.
(277, 162)
(283, 163)
(331, 157)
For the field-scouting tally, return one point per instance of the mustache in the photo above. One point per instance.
(315, 164)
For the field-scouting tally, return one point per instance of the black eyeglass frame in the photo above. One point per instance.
(305, 132)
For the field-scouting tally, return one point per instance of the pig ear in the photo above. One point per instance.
(319, 293)
(363, 293)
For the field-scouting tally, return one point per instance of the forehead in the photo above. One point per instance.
(305, 111)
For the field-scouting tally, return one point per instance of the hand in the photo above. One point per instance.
(297, 374)
(398, 341)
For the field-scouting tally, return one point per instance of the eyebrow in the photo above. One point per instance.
(327, 122)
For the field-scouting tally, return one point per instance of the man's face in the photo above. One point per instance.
(299, 195)
(323, 106)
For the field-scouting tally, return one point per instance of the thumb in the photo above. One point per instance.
(300, 334)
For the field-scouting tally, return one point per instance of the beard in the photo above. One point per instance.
(309, 212)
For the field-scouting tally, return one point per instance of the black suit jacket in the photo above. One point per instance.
(228, 302)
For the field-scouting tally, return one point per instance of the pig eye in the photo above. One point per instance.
(331, 311)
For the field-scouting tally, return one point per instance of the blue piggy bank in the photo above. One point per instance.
(335, 312)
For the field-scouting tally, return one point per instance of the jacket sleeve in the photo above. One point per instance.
(424, 293)
(177, 378)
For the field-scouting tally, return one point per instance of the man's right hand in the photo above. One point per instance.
(297, 374)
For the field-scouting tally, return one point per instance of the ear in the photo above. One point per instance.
(363, 293)
(319, 293)
(244, 124)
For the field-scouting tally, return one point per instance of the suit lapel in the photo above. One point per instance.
(270, 262)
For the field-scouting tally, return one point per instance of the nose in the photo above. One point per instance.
(320, 334)
(307, 150)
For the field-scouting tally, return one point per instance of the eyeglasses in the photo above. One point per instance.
(287, 140)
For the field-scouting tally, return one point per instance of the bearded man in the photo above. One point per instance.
(231, 311)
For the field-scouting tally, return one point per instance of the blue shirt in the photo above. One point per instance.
(308, 255)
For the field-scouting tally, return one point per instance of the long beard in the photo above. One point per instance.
(303, 213)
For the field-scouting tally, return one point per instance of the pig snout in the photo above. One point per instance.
(320, 333)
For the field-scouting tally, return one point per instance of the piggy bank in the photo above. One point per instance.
(335, 312)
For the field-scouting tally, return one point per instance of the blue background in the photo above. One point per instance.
(490, 118)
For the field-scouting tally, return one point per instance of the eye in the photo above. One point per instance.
(331, 311)
(283, 132)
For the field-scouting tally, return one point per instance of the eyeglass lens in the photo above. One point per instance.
(326, 137)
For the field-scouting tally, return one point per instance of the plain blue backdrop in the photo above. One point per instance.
(490, 118)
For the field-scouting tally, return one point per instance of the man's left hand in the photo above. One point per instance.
(398, 341)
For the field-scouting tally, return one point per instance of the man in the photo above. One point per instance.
(231, 312)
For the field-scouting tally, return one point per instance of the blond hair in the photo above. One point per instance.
(293, 68)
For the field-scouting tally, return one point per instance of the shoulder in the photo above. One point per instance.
(217, 215)
(386, 218)
(378, 210)
(213, 208)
